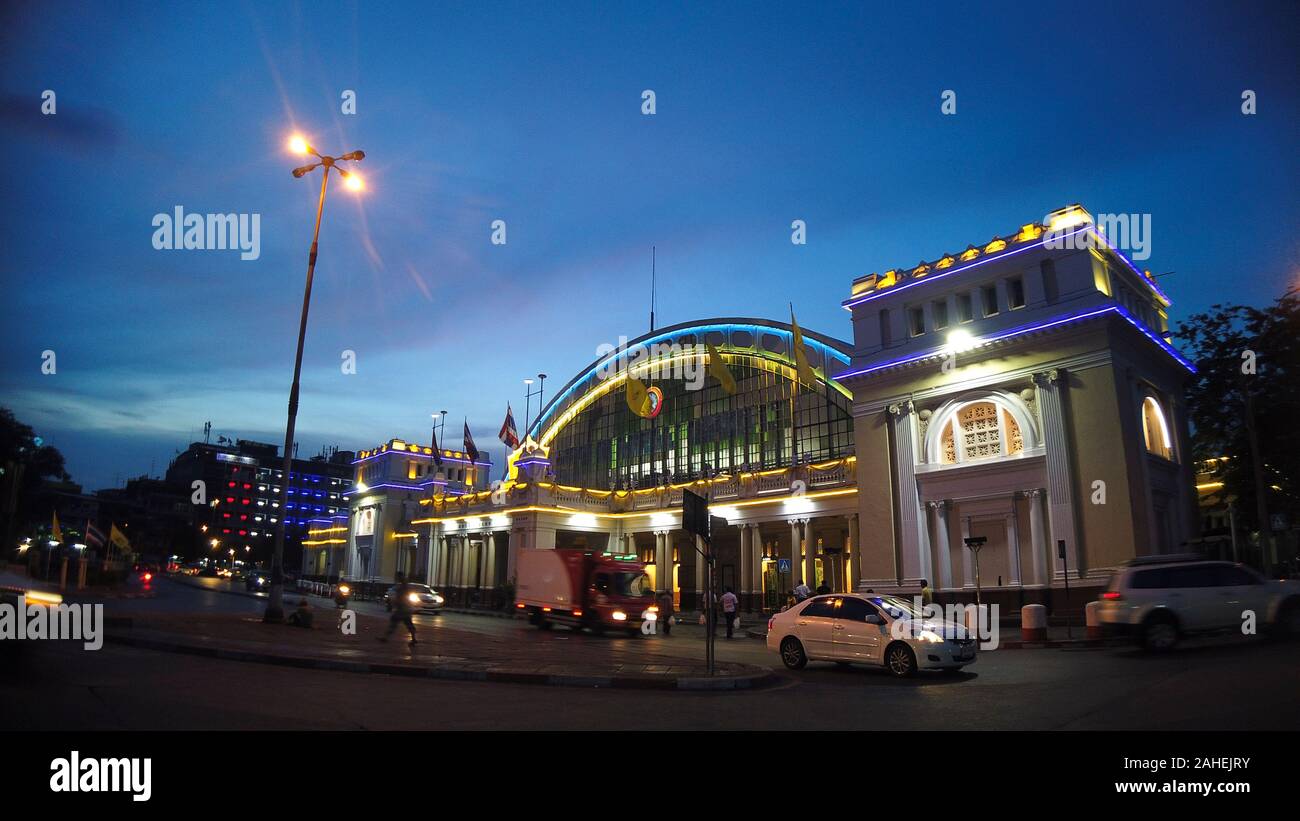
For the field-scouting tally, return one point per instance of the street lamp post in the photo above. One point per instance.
(529, 393)
(275, 601)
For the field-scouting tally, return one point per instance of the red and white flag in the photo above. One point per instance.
(470, 450)
(508, 435)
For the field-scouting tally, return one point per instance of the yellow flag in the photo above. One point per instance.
(800, 353)
(638, 398)
(115, 536)
(55, 533)
(719, 370)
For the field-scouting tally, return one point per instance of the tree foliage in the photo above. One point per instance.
(1248, 358)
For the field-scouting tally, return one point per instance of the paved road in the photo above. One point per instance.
(1215, 685)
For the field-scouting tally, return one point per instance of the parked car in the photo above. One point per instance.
(849, 628)
(1159, 599)
(427, 600)
(257, 580)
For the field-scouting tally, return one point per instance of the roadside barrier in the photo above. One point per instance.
(1033, 623)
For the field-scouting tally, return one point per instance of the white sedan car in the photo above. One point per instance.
(879, 630)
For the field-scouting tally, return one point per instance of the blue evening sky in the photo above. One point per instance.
(474, 112)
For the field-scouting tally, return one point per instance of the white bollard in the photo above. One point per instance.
(972, 614)
(1033, 623)
(1092, 617)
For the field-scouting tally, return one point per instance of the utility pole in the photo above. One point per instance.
(1267, 553)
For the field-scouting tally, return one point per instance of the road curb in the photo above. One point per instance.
(454, 672)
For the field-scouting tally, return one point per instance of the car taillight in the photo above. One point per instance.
(520, 605)
(577, 613)
(770, 622)
(1112, 595)
(148, 576)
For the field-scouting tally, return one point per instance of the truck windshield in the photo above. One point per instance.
(632, 584)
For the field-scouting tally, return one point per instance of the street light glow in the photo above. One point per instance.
(353, 181)
(298, 145)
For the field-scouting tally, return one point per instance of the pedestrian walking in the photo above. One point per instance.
(823, 588)
(729, 607)
(801, 591)
(666, 611)
(403, 609)
(927, 595)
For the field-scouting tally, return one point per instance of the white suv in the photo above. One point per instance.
(1159, 599)
(885, 631)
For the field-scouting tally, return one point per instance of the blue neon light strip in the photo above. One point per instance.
(827, 352)
(1169, 349)
(487, 464)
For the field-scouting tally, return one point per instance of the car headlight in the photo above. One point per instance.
(438, 599)
(413, 598)
(930, 636)
(619, 615)
(343, 588)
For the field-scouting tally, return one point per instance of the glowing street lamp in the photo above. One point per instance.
(299, 145)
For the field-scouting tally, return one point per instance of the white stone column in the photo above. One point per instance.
(912, 534)
(853, 552)
(796, 553)
(466, 573)
(490, 561)
(1037, 535)
(513, 540)
(967, 560)
(663, 563)
(431, 558)
(756, 568)
(941, 542)
(1013, 544)
(1060, 498)
(745, 564)
(810, 553)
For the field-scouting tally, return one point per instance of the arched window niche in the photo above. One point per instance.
(980, 428)
(1155, 429)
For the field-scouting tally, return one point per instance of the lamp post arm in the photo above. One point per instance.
(275, 599)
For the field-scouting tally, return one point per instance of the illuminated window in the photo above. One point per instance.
(1155, 430)
(980, 430)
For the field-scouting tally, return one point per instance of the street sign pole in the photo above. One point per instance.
(695, 520)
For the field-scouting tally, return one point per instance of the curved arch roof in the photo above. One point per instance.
(826, 353)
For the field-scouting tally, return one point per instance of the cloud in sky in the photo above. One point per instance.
(471, 114)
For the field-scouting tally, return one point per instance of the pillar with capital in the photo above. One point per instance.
(939, 510)
(745, 565)
(810, 553)
(756, 566)
(1037, 535)
(796, 552)
(490, 561)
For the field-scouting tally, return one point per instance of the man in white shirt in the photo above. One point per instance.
(802, 591)
(729, 606)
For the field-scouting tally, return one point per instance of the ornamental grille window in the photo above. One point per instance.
(980, 430)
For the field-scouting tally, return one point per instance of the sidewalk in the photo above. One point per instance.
(442, 652)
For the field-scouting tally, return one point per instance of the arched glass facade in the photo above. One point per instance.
(605, 445)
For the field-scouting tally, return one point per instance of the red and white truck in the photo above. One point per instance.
(583, 589)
